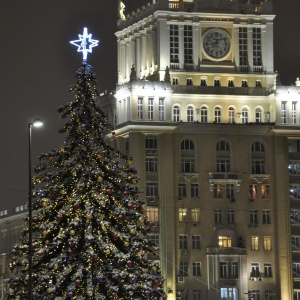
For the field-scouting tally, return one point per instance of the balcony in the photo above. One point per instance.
(226, 251)
(223, 177)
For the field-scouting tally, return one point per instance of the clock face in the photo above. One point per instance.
(216, 43)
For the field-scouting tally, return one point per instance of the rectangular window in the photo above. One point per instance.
(175, 81)
(255, 270)
(196, 268)
(197, 295)
(183, 269)
(183, 241)
(224, 241)
(266, 214)
(195, 215)
(268, 269)
(252, 191)
(150, 108)
(223, 165)
(296, 269)
(154, 238)
(269, 295)
(189, 81)
(184, 295)
(217, 82)
(258, 166)
(151, 189)
(243, 46)
(217, 190)
(140, 108)
(194, 190)
(294, 112)
(152, 214)
(229, 293)
(174, 44)
(267, 243)
(161, 109)
(295, 216)
(196, 242)
(255, 294)
(187, 165)
(265, 191)
(253, 216)
(203, 82)
(228, 269)
(230, 190)
(254, 243)
(182, 215)
(218, 216)
(181, 190)
(151, 142)
(257, 61)
(151, 164)
(294, 168)
(188, 44)
(296, 242)
(230, 216)
(283, 113)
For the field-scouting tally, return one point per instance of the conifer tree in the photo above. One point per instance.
(89, 228)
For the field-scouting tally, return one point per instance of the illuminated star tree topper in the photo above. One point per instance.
(85, 43)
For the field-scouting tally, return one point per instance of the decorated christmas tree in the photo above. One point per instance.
(89, 231)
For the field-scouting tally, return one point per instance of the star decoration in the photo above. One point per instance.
(85, 43)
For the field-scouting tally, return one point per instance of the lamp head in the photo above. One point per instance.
(37, 123)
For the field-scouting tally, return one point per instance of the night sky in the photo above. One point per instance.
(38, 65)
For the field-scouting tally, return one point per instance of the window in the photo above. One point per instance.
(228, 293)
(258, 83)
(257, 61)
(254, 243)
(187, 156)
(230, 216)
(269, 295)
(187, 145)
(243, 46)
(181, 190)
(183, 269)
(176, 113)
(294, 112)
(195, 214)
(294, 192)
(161, 109)
(266, 214)
(294, 146)
(140, 108)
(194, 190)
(244, 83)
(252, 191)
(151, 142)
(151, 189)
(182, 215)
(223, 156)
(196, 242)
(268, 269)
(258, 115)
(258, 158)
(150, 109)
(265, 191)
(283, 113)
(267, 243)
(203, 115)
(255, 294)
(190, 113)
(255, 270)
(230, 83)
(217, 115)
(230, 190)
(218, 216)
(296, 295)
(188, 44)
(295, 242)
(295, 216)
(183, 241)
(152, 214)
(196, 294)
(245, 118)
(154, 238)
(231, 117)
(296, 269)
(217, 83)
(187, 165)
(184, 295)
(228, 269)
(151, 164)
(196, 268)
(224, 241)
(203, 82)
(175, 81)
(218, 190)
(253, 216)
(189, 81)
(174, 43)
(294, 167)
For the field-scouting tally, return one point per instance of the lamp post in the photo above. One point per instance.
(35, 123)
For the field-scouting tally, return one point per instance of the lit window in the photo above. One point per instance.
(224, 241)
(195, 215)
(152, 214)
(267, 243)
(182, 214)
(254, 243)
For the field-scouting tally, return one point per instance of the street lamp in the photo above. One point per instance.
(35, 123)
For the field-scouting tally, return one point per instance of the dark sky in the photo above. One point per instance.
(38, 66)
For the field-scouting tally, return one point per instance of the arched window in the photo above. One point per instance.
(217, 115)
(187, 159)
(258, 115)
(223, 156)
(190, 113)
(204, 114)
(176, 113)
(258, 158)
(231, 118)
(245, 115)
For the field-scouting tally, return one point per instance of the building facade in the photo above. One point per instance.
(215, 140)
